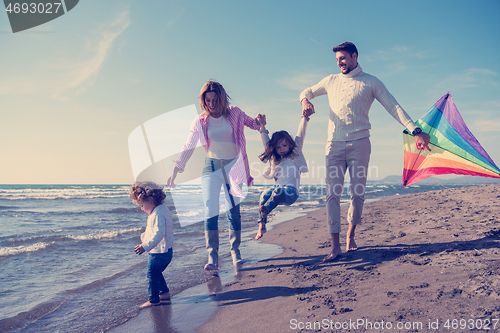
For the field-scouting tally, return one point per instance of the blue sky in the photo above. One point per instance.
(72, 90)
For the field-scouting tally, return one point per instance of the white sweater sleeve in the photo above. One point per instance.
(316, 90)
(392, 106)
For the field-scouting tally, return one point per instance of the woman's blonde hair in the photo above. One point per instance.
(221, 101)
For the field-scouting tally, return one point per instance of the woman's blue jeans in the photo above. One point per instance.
(157, 262)
(278, 194)
(216, 175)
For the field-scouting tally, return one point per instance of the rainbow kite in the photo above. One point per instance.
(454, 150)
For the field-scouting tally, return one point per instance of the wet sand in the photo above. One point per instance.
(191, 307)
(427, 262)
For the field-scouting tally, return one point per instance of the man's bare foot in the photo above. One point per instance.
(332, 256)
(262, 230)
(148, 304)
(165, 297)
(350, 245)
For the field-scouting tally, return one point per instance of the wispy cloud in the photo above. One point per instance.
(399, 59)
(178, 15)
(472, 77)
(302, 81)
(318, 42)
(74, 76)
(80, 75)
(485, 125)
(398, 52)
(17, 85)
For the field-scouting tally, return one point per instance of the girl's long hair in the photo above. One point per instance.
(222, 99)
(270, 152)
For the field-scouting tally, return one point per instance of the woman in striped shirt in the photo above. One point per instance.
(220, 130)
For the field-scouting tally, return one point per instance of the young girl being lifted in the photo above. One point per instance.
(286, 163)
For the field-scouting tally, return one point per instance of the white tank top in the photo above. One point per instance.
(221, 137)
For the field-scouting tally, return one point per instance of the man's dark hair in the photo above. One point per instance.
(347, 47)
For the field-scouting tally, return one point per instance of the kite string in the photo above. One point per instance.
(434, 179)
(432, 126)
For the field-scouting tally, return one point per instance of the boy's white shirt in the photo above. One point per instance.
(159, 234)
(297, 157)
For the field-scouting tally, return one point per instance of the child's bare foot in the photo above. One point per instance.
(264, 211)
(165, 297)
(350, 244)
(148, 304)
(262, 230)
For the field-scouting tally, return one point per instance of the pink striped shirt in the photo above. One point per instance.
(240, 172)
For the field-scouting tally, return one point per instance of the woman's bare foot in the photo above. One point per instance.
(165, 297)
(211, 267)
(262, 230)
(148, 304)
(332, 256)
(350, 244)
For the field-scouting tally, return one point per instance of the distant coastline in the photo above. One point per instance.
(445, 180)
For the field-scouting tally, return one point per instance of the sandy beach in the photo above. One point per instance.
(427, 262)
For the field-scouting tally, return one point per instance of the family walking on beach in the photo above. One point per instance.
(220, 130)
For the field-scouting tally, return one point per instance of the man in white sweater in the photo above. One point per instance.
(350, 95)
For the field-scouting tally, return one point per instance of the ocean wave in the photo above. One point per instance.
(58, 197)
(10, 251)
(7, 207)
(250, 203)
(24, 319)
(105, 234)
(57, 236)
(249, 208)
(58, 193)
(307, 203)
(377, 190)
(192, 213)
(186, 191)
(124, 210)
(42, 242)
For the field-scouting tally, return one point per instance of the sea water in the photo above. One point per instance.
(67, 258)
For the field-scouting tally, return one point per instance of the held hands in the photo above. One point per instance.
(261, 120)
(139, 249)
(308, 112)
(307, 108)
(422, 140)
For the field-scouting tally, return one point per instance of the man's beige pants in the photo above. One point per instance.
(340, 157)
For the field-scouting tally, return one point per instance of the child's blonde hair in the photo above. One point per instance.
(142, 191)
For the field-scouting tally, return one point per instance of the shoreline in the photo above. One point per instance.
(120, 293)
(194, 306)
(423, 259)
